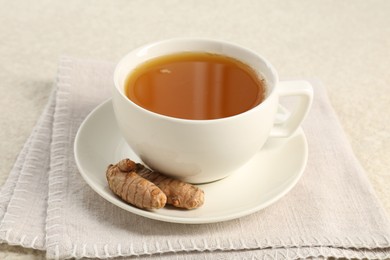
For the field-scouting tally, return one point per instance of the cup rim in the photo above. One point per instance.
(144, 47)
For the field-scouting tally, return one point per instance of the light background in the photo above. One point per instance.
(344, 44)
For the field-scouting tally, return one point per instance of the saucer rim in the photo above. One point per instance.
(151, 214)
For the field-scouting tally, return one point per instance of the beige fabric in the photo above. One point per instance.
(343, 43)
(46, 205)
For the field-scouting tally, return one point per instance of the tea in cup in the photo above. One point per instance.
(198, 109)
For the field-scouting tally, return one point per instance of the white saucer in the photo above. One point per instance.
(272, 173)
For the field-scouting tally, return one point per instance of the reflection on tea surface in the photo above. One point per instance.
(194, 85)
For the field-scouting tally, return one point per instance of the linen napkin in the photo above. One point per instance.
(46, 205)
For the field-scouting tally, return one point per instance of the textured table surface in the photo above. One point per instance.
(344, 44)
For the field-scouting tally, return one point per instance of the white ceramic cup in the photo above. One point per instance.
(200, 151)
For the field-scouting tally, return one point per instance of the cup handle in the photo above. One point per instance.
(302, 90)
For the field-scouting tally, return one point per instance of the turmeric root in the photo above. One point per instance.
(179, 194)
(134, 189)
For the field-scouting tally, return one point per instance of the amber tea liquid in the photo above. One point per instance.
(192, 85)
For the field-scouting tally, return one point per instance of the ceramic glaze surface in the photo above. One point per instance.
(254, 186)
(201, 151)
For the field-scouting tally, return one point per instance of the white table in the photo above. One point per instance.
(345, 44)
